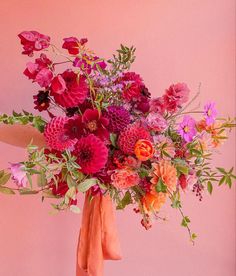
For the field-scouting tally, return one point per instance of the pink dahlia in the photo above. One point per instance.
(68, 89)
(176, 95)
(94, 122)
(40, 71)
(118, 117)
(33, 41)
(92, 154)
(129, 137)
(55, 135)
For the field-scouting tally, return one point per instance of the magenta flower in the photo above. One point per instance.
(18, 174)
(33, 41)
(72, 44)
(187, 128)
(210, 113)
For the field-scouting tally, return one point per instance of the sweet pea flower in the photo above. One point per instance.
(187, 128)
(33, 41)
(72, 44)
(18, 174)
(210, 113)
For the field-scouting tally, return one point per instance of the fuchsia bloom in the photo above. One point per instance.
(187, 128)
(69, 89)
(33, 41)
(118, 117)
(39, 71)
(176, 95)
(19, 174)
(55, 135)
(72, 44)
(210, 113)
(157, 105)
(92, 154)
(95, 123)
(74, 127)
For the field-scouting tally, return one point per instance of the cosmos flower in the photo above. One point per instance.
(210, 113)
(187, 128)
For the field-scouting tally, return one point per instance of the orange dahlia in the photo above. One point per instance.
(153, 201)
(167, 172)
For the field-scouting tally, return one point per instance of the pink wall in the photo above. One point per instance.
(177, 40)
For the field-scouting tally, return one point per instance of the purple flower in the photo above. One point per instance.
(18, 174)
(210, 113)
(187, 128)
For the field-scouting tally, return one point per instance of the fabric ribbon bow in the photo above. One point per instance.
(98, 238)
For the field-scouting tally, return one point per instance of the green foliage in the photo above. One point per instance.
(160, 186)
(126, 200)
(185, 221)
(226, 177)
(87, 184)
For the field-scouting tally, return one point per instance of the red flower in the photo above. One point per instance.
(74, 127)
(72, 44)
(95, 123)
(183, 181)
(176, 96)
(39, 71)
(92, 154)
(68, 89)
(33, 41)
(55, 135)
(157, 105)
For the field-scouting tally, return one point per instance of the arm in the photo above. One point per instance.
(21, 135)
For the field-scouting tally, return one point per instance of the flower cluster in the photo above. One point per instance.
(111, 137)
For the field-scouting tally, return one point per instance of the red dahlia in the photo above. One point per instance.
(91, 154)
(55, 135)
(69, 89)
(130, 136)
(118, 117)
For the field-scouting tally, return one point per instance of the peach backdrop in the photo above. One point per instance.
(177, 40)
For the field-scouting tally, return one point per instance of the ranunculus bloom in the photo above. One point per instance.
(95, 123)
(210, 113)
(124, 178)
(144, 150)
(187, 128)
(33, 41)
(69, 89)
(39, 71)
(18, 174)
(72, 44)
(176, 95)
(156, 122)
(166, 172)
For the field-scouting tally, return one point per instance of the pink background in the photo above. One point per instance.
(177, 40)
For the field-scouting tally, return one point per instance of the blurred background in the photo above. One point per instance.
(188, 41)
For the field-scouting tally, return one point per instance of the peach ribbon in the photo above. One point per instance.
(98, 238)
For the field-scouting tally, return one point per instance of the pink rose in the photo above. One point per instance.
(39, 71)
(33, 41)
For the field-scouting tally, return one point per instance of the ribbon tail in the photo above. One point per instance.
(98, 238)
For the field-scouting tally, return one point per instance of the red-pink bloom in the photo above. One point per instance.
(74, 127)
(72, 44)
(69, 89)
(40, 71)
(33, 41)
(19, 174)
(157, 105)
(95, 123)
(92, 154)
(176, 95)
(55, 135)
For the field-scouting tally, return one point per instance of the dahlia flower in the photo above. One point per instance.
(69, 89)
(91, 153)
(128, 138)
(73, 127)
(166, 172)
(118, 117)
(55, 135)
(153, 201)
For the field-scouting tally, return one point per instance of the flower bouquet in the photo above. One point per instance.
(106, 137)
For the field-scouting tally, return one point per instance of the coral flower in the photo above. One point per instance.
(144, 150)
(166, 172)
(92, 154)
(152, 201)
(68, 89)
(124, 178)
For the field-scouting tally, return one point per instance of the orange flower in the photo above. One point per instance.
(143, 150)
(167, 172)
(153, 201)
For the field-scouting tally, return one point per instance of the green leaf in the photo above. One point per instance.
(222, 180)
(222, 170)
(185, 221)
(87, 184)
(209, 187)
(2, 173)
(160, 186)
(27, 192)
(70, 193)
(75, 209)
(182, 169)
(70, 181)
(4, 179)
(113, 138)
(6, 190)
(193, 236)
(42, 181)
(126, 200)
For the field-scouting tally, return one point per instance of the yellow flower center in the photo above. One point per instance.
(92, 126)
(186, 129)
